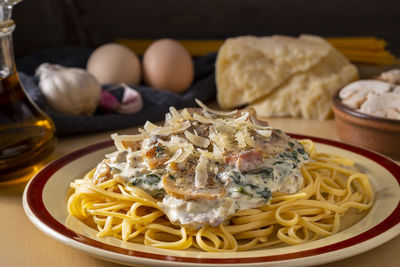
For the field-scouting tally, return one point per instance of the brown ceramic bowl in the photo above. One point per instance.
(379, 134)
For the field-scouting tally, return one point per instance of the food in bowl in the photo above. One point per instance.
(217, 181)
(367, 113)
(380, 97)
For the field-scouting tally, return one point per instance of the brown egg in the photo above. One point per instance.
(114, 63)
(167, 65)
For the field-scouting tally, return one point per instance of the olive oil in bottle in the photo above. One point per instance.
(27, 135)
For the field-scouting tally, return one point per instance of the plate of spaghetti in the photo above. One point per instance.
(212, 188)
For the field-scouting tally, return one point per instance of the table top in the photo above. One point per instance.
(22, 244)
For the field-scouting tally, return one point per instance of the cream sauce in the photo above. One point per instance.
(245, 189)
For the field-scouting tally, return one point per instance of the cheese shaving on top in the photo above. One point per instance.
(177, 154)
(225, 131)
(175, 114)
(187, 151)
(118, 139)
(175, 128)
(242, 118)
(216, 112)
(240, 140)
(197, 140)
(149, 127)
(265, 133)
(201, 175)
(206, 153)
(186, 115)
(202, 119)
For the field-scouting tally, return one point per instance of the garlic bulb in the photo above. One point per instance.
(71, 91)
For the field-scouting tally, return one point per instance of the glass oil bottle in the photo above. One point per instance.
(27, 135)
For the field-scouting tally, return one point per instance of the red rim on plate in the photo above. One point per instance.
(34, 200)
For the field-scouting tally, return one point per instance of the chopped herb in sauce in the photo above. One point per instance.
(289, 156)
(159, 150)
(151, 183)
(151, 179)
(148, 179)
(234, 175)
(301, 150)
(267, 173)
(252, 186)
(243, 191)
(265, 193)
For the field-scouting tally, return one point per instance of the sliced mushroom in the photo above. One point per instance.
(184, 189)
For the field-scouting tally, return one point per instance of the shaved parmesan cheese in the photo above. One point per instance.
(186, 115)
(177, 141)
(225, 128)
(225, 133)
(197, 140)
(177, 154)
(201, 174)
(181, 126)
(187, 151)
(222, 140)
(216, 112)
(118, 139)
(207, 114)
(175, 114)
(240, 140)
(149, 127)
(134, 137)
(260, 127)
(218, 152)
(266, 133)
(202, 119)
(142, 131)
(168, 117)
(118, 142)
(176, 128)
(242, 118)
(206, 153)
(249, 140)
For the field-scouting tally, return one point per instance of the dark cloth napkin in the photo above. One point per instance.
(156, 102)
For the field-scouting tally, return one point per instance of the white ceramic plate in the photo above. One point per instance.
(45, 200)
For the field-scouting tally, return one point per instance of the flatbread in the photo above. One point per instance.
(249, 67)
(309, 94)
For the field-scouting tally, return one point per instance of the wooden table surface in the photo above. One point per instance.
(22, 244)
